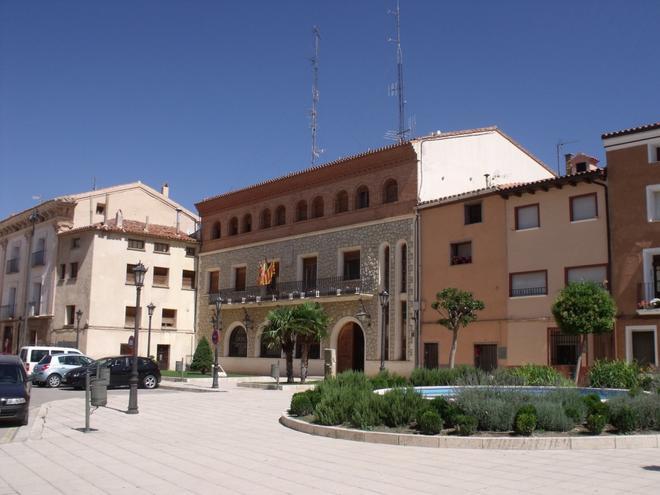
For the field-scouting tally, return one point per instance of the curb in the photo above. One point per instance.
(190, 389)
(490, 443)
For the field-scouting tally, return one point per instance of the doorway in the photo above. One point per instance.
(430, 355)
(7, 340)
(163, 356)
(485, 356)
(350, 348)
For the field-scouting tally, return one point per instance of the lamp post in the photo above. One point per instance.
(217, 326)
(150, 309)
(78, 317)
(384, 298)
(139, 270)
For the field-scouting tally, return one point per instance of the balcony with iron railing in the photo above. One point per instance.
(7, 312)
(648, 298)
(12, 265)
(39, 258)
(529, 291)
(297, 289)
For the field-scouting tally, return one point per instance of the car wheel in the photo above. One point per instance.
(150, 382)
(24, 420)
(54, 380)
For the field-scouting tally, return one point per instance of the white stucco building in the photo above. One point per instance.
(35, 243)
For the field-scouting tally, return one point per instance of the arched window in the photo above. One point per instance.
(238, 342)
(247, 223)
(390, 191)
(301, 210)
(280, 215)
(317, 207)
(362, 197)
(233, 226)
(265, 219)
(216, 231)
(341, 202)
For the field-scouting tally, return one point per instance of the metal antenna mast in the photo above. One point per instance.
(401, 135)
(316, 152)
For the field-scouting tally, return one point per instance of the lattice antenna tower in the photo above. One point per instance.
(316, 151)
(397, 88)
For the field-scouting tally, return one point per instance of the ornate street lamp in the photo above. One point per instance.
(363, 315)
(78, 317)
(139, 270)
(217, 327)
(384, 298)
(150, 311)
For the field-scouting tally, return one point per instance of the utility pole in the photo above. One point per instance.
(397, 88)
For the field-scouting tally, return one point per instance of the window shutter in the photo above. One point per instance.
(584, 207)
(528, 217)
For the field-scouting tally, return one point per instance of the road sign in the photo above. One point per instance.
(215, 336)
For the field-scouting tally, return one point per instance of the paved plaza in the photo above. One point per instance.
(231, 442)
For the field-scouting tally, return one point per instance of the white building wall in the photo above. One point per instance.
(456, 164)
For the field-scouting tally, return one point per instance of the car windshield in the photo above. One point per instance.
(84, 360)
(10, 373)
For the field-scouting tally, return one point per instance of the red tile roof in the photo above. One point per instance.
(141, 228)
(631, 130)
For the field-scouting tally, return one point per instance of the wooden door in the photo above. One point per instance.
(485, 356)
(309, 273)
(430, 355)
(345, 348)
(163, 356)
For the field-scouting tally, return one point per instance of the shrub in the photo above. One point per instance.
(494, 410)
(460, 375)
(337, 402)
(203, 357)
(572, 402)
(448, 410)
(596, 406)
(430, 422)
(301, 405)
(647, 411)
(614, 374)
(367, 411)
(385, 379)
(524, 423)
(623, 418)
(550, 416)
(401, 406)
(596, 423)
(531, 375)
(466, 425)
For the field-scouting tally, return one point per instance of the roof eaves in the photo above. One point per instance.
(631, 130)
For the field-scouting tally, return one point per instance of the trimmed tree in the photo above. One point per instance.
(582, 308)
(457, 308)
(280, 330)
(311, 326)
(203, 357)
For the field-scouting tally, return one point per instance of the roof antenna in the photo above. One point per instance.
(316, 152)
(94, 183)
(560, 145)
(397, 88)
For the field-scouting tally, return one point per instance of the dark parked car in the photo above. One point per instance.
(15, 388)
(120, 372)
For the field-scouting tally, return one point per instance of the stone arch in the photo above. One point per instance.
(349, 358)
(257, 344)
(226, 335)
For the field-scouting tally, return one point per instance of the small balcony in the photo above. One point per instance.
(529, 291)
(7, 312)
(648, 299)
(12, 265)
(39, 258)
(297, 289)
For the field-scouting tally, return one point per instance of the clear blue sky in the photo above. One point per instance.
(214, 95)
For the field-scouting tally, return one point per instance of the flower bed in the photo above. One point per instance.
(349, 400)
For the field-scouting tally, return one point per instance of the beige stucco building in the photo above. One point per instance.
(514, 248)
(45, 271)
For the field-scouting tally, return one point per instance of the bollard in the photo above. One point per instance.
(275, 372)
(330, 363)
(87, 411)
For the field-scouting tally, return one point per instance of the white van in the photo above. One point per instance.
(31, 355)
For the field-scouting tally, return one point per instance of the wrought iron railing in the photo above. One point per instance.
(39, 258)
(529, 291)
(297, 289)
(7, 312)
(12, 265)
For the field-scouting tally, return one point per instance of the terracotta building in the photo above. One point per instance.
(633, 164)
(514, 247)
(340, 234)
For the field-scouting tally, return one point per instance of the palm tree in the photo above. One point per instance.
(280, 331)
(311, 326)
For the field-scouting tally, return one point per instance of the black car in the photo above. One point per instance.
(120, 372)
(15, 388)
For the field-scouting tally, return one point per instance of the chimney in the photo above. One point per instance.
(165, 190)
(146, 224)
(119, 220)
(178, 220)
(567, 159)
